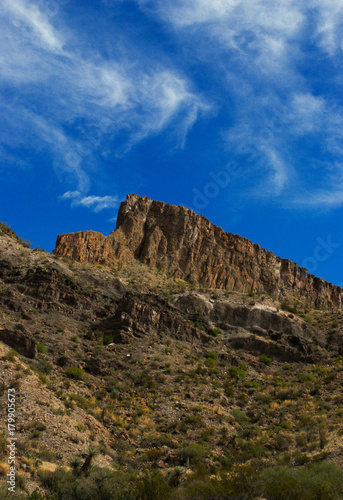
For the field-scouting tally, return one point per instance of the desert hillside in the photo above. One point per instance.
(168, 360)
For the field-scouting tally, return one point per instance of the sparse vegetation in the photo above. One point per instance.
(177, 410)
(5, 229)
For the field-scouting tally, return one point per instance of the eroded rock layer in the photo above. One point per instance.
(178, 240)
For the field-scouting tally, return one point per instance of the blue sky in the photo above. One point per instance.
(229, 107)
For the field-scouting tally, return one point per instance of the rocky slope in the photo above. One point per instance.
(177, 240)
(157, 374)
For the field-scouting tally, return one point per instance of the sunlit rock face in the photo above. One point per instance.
(186, 244)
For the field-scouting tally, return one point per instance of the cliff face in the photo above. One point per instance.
(176, 239)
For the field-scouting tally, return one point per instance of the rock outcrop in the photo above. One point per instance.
(20, 340)
(180, 241)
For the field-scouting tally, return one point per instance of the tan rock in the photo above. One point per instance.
(180, 241)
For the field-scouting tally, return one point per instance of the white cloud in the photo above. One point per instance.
(71, 195)
(62, 88)
(181, 13)
(326, 200)
(330, 24)
(95, 203)
(260, 150)
(254, 50)
(28, 13)
(307, 112)
(166, 95)
(262, 49)
(98, 203)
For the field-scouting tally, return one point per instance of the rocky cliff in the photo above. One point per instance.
(186, 244)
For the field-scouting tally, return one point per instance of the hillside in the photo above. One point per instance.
(136, 380)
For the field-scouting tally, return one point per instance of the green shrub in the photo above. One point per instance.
(108, 339)
(228, 388)
(41, 348)
(47, 455)
(322, 481)
(45, 367)
(80, 428)
(264, 359)
(75, 372)
(288, 307)
(6, 229)
(306, 318)
(235, 372)
(10, 355)
(195, 420)
(152, 485)
(251, 384)
(99, 484)
(240, 416)
(43, 378)
(39, 426)
(81, 401)
(211, 359)
(193, 453)
(216, 332)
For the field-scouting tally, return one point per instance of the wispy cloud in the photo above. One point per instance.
(70, 100)
(26, 12)
(64, 88)
(261, 49)
(329, 25)
(95, 203)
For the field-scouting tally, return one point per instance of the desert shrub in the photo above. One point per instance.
(47, 455)
(6, 229)
(45, 367)
(100, 484)
(210, 362)
(228, 388)
(156, 441)
(80, 428)
(216, 332)
(264, 359)
(316, 482)
(235, 372)
(193, 453)
(75, 372)
(10, 355)
(306, 317)
(194, 420)
(240, 416)
(282, 442)
(108, 339)
(41, 348)
(152, 485)
(251, 384)
(143, 379)
(212, 355)
(81, 401)
(39, 426)
(288, 307)
(306, 377)
(322, 481)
